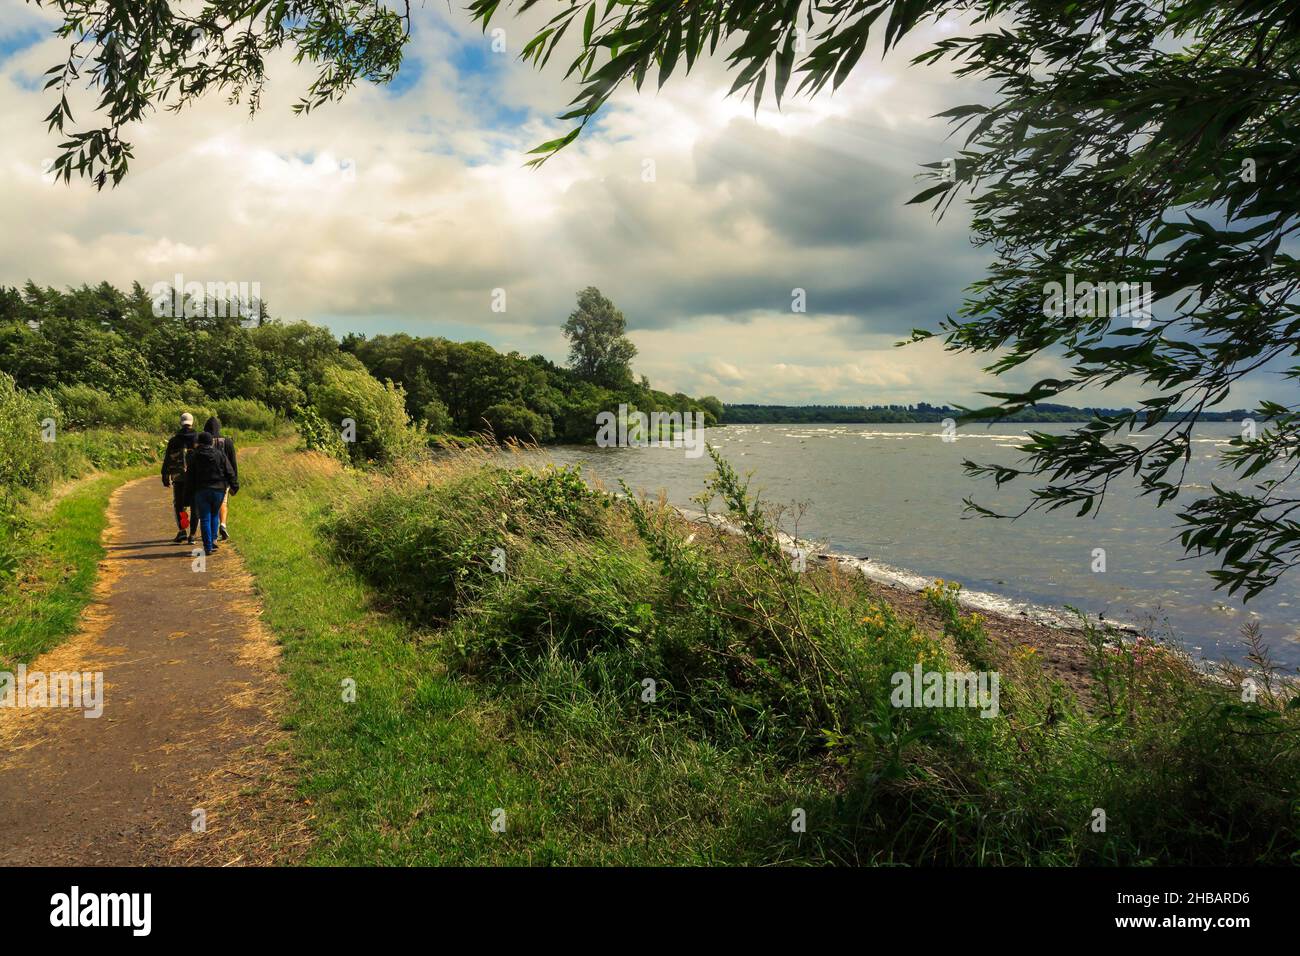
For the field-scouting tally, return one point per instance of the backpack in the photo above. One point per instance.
(175, 458)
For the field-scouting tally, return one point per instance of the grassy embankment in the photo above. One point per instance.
(527, 690)
(413, 770)
(50, 535)
(53, 569)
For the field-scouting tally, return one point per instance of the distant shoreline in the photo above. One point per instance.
(751, 414)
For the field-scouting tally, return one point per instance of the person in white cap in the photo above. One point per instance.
(173, 476)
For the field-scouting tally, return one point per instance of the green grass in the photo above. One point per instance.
(413, 770)
(52, 557)
(479, 690)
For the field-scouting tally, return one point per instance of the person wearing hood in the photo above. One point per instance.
(227, 447)
(173, 476)
(209, 473)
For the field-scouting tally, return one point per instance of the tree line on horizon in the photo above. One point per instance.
(115, 343)
(743, 413)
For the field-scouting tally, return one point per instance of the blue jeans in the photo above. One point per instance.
(207, 501)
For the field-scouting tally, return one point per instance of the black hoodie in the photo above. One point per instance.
(213, 428)
(207, 467)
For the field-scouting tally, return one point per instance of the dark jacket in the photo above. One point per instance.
(213, 428)
(208, 467)
(178, 446)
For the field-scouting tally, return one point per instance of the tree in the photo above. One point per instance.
(599, 351)
(1129, 145)
(437, 419)
(1148, 151)
(712, 406)
(1146, 158)
(144, 54)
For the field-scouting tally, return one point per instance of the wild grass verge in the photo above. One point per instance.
(581, 618)
(49, 553)
(420, 763)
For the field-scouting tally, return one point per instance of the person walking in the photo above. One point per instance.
(179, 447)
(209, 473)
(225, 445)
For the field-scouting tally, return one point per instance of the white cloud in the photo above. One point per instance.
(388, 212)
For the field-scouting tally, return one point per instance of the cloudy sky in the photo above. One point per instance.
(404, 207)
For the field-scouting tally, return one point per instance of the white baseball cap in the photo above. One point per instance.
(187, 418)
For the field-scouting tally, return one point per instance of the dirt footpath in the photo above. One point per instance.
(191, 698)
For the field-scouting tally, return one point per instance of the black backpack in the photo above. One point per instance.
(175, 457)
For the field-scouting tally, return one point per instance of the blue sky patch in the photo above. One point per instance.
(16, 40)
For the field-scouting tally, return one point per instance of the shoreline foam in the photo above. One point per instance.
(987, 602)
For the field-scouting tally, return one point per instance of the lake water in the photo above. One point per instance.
(894, 493)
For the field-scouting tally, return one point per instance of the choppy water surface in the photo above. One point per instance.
(894, 493)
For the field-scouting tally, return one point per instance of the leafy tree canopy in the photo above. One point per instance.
(599, 350)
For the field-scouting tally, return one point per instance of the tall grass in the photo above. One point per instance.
(615, 619)
(413, 769)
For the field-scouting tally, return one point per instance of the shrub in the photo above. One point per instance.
(965, 630)
(511, 421)
(437, 418)
(84, 407)
(25, 460)
(423, 543)
(794, 671)
(28, 463)
(246, 415)
(319, 435)
(383, 430)
(418, 543)
(285, 397)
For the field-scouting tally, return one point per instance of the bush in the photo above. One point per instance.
(965, 630)
(79, 453)
(417, 544)
(285, 397)
(244, 414)
(424, 543)
(85, 407)
(82, 405)
(25, 460)
(511, 421)
(29, 463)
(383, 430)
(437, 418)
(319, 435)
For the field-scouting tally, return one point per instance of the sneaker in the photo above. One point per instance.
(223, 534)
(190, 539)
(180, 536)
